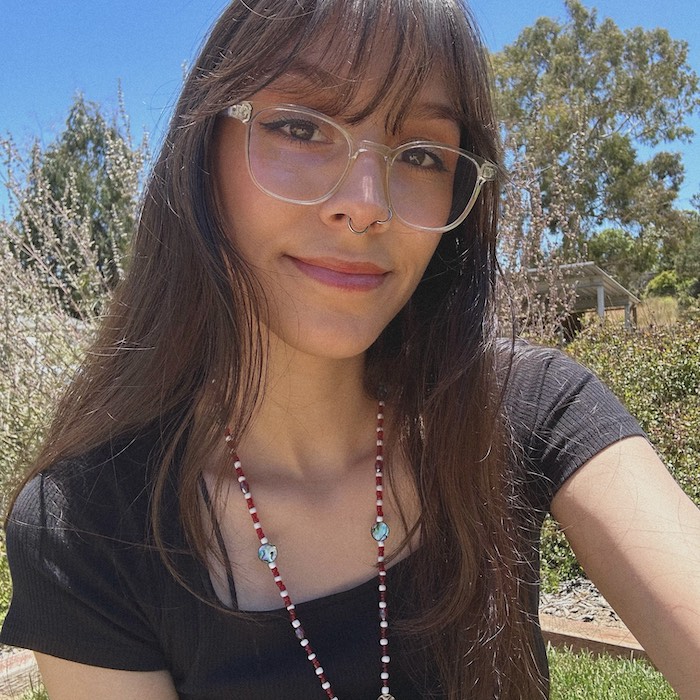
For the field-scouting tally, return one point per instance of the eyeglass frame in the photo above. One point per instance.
(485, 169)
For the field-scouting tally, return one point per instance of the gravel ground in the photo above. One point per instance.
(581, 601)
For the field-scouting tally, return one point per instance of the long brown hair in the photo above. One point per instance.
(179, 347)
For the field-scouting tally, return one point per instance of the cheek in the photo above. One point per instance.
(426, 253)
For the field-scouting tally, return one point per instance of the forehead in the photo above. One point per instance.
(357, 95)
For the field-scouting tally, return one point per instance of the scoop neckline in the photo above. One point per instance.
(330, 600)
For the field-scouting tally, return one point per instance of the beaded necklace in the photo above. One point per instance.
(267, 553)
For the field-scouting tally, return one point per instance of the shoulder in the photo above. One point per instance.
(534, 369)
(106, 492)
(88, 583)
(559, 413)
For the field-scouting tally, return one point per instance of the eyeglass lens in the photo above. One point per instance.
(301, 157)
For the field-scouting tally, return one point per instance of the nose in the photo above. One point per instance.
(361, 199)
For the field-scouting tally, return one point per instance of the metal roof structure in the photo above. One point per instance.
(595, 289)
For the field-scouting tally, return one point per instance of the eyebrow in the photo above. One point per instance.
(434, 110)
(310, 75)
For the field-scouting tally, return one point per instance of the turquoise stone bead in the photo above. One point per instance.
(380, 531)
(267, 553)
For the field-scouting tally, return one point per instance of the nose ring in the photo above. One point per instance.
(366, 228)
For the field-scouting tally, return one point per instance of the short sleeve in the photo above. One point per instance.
(78, 575)
(561, 416)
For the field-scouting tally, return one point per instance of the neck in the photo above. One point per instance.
(314, 417)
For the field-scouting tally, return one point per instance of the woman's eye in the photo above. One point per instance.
(295, 129)
(423, 158)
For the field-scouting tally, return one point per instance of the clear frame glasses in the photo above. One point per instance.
(302, 156)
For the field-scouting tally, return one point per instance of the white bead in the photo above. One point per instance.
(264, 540)
(325, 685)
(258, 526)
(384, 624)
(385, 690)
(380, 458)
(319, 670)
(296, 623)
(386, 659)
(382, 604)
(277, 579)
(380, 487)
(311, 656)
(290, 607)
(237, 465)
(304, 642)
(383, 642)
(380, 443)
(271, 564)
(283, 593)
(380, 501)
(380, 559)
(382, 587)
(252, 510)
(384, 676)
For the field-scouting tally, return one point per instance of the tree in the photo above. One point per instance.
(74, 205)
(577, 99)
(687, 259)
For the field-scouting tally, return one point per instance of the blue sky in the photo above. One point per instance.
(51, 49)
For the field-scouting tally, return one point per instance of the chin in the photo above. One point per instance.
(330, 341)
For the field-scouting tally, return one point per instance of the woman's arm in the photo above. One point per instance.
(637, 535)
(68, 680)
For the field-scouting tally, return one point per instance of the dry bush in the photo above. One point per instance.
(534, 242)
(55, 282)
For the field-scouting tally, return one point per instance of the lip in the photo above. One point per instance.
(343, 274)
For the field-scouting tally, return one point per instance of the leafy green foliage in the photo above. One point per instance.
(576, 98)
(686, 260)
(558, 561)
(664, 284)
(38, 693)
(74, 204)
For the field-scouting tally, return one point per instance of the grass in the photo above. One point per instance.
(578, 677)
(586, 677)
(35, 694)
(652, 312)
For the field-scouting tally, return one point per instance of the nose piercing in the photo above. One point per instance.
(366, 228)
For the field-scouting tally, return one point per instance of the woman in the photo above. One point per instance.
(313, 278)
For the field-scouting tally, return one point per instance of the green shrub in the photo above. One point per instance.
(664, 284)
(558, 561)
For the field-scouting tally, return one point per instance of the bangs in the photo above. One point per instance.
(385, 51)
(296, 45)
